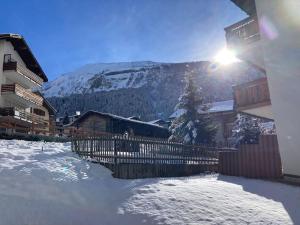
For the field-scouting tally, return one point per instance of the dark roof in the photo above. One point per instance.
(247, 6)
(25, 53)
(112, 116)
(158, 121)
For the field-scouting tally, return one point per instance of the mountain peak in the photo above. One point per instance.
(149, 89)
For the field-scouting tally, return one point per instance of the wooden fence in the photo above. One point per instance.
(260, 160)
(137, 157)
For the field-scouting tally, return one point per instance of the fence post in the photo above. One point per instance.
(91, 147)
(115, 152)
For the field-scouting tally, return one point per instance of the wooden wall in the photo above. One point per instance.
(260, 160)
(96, 123)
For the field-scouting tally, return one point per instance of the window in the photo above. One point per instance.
(7, 58)
(39, 112)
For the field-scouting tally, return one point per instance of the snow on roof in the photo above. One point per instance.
(134, 118)
(156, 121)
(221, 106)
(112, 116)
(177, 113)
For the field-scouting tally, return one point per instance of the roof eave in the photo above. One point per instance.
(13, 38)
(248, 6)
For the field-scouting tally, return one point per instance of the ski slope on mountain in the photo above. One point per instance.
(149, 90)
(45, 183)
(111, 76)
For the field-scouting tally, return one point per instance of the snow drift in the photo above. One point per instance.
(45, 183)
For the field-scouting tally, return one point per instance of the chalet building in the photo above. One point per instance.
(269, 40)
(21, 110)
(94, 123)
(223, 116)
(253, 98)
(48, 115)
(71, 118)
(62, 126)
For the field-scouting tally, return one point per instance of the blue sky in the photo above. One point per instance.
(66, 34)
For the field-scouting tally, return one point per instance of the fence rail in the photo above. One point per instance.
(119, 150)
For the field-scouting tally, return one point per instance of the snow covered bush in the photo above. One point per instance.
(191, 127)
(267, 127)
(246, 129)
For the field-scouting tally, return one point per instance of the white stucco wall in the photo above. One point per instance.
(7, 48)
(280, 32)
(263, 111)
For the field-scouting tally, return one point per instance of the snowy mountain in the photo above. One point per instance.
(100, 77)
(146, 89)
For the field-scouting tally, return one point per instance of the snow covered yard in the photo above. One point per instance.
(54, 186)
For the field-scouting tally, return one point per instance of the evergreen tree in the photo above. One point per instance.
(66, 119)
(191, 127)
(246, 130)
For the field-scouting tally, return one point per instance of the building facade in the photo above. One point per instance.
(21, 109)
(253, 98)
(269, 39)
(222, 115)
(97, 123)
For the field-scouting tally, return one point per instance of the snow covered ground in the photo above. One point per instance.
(45, 183)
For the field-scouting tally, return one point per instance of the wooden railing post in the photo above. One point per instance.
(91, 147)
(115, 152)
(164, 156)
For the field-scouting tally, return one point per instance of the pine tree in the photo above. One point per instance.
(246, 130)
(66, 119)
(192, 127)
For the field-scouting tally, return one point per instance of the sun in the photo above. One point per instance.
(225, 57)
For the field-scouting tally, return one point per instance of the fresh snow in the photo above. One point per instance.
(45, 183)
(78, 81)
(177, 113)
(268, 127)
(221, 106)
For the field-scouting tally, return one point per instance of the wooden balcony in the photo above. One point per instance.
(10, 116)
(22, 71)
(242, 33)
(25, 94)
(251, 95)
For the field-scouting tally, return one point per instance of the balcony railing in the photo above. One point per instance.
(38, 122)
(23, 71)
(252, 94)
(242, 33)
(21, 92)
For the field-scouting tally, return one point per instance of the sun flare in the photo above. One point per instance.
(225, 57)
